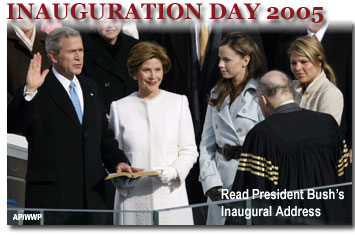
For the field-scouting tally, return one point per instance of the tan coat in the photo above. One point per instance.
(321, 96)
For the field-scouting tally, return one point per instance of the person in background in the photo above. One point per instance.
(293, 148)
(24, 40)
(154, 128)
(48, 26)
(106, 50)
(316, 83)
(69, 144)
(231, 113)
(336, 40)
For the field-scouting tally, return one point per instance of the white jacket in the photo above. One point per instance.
(154, 134)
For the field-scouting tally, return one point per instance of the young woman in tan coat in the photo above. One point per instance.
(315, 86)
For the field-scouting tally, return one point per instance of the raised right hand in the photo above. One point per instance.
(34, 77)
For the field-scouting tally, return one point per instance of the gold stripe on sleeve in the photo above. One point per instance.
(343, 162)
(259, 166)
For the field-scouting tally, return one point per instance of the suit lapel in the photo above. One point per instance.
(89, 98)
(61, 98)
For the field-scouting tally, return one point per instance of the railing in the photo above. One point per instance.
(333, 206)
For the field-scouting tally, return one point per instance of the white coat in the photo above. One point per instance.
(154, 134)
(222, 128)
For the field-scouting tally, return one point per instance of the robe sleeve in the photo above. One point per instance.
(343, 165)
(258, 165)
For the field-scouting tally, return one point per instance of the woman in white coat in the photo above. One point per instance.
(154, 128)
(231, 113)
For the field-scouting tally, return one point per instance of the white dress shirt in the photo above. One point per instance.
(320, 33)
(66, 83)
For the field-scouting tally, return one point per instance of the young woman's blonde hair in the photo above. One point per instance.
(144, 51)
(311, 48)
(242, 45)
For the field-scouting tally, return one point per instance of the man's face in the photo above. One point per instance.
(70, 59)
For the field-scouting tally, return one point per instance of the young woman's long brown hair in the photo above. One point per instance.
(243, 45)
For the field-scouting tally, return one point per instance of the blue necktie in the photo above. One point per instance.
(76, 102)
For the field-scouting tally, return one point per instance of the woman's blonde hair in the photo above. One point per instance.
(242, 45)
(144, 51)
(311, 48)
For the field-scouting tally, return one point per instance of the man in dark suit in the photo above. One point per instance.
(63, 118)
(106, 50)
(291, 149)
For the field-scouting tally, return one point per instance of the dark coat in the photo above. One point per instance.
(109, 70)
(65, 160)
(18, 59)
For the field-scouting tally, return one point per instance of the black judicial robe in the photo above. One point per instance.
(294, 149)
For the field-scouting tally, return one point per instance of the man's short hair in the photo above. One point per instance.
(270, 89)
(53, 40)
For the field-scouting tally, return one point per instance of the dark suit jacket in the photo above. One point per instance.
(337, 43)
(18, 59)
(65, 159)
(110, 72)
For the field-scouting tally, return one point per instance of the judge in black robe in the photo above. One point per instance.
(291, 149)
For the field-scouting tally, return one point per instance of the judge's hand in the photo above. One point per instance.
(214, 194)
(121, 167)
(34, 77)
